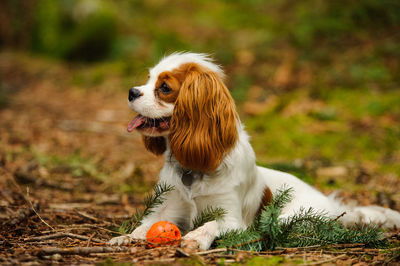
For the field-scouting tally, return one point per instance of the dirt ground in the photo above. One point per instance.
(70, 175)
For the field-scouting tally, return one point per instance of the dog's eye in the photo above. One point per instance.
(164, 88)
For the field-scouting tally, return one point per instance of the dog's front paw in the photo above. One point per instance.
(190, 245)
(138, 233)
(120, 240)
(202, 236)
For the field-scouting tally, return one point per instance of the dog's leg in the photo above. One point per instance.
(203, 236)
(174, 209)
(138, 233)
(383, 217)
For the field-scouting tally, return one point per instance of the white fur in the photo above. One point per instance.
(236, 186)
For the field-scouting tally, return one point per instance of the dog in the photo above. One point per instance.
(186, 113)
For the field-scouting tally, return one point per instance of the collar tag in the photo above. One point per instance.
(187, 177)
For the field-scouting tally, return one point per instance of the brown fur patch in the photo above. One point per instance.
(173, 83)
(265, 200)
(203, 125)
(174, 80)
(156, 145)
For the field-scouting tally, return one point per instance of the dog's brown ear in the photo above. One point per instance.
(203, 124)
(156, 145)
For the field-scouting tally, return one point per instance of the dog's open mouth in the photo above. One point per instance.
(142, 122)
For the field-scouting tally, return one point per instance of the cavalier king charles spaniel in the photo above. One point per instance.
(186, 113)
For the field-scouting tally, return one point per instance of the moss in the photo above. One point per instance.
(111, 262)
(258, 261)
(193, 260)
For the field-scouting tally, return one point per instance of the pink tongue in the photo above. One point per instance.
(137, 121)
(164, 125)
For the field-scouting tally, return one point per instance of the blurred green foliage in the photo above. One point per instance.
(97, 29)
(343, 55)
(76, 30)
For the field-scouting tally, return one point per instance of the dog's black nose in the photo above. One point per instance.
(133, 94)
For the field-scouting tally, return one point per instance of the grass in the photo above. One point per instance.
(80, 166)
(73, 163)
(346, 125)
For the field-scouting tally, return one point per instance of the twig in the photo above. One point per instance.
(33, 208)
(224, 256)
(227, 261)
(337, 218)
(211, 251)
(350, 252)
(391, 234)
(59, 235)
(326, 261)
(69, 206)
(347, 245)
(90, 238)
(36, 243)
(309, 247)
(11, 176)
(273, 252)
(156, 262)
(265, 252)
(79, 250)
(84, 226)
(90, 217)
(87, 216)
(182, 252)
(67, 229)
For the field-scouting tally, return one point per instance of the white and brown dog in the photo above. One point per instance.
(187, 113)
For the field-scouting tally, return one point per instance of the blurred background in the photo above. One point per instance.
(316, 83)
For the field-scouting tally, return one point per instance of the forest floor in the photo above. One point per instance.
(70, 175)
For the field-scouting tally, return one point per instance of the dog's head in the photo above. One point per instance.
(186, 103)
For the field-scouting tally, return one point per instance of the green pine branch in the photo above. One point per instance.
(207, 215)
(305, 228)
(151, 201)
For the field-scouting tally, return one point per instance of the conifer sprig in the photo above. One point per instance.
(305, 228)
(268, 223)
(151, 201)
(208, 214)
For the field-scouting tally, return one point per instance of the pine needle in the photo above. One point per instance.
(151, 201)
(208, 214)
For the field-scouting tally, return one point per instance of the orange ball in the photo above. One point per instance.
(163, 233)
